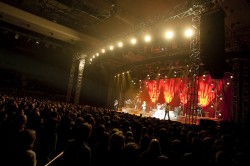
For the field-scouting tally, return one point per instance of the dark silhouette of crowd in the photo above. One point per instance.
(34, 131)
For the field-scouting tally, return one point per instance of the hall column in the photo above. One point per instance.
(71, 78)
(81, 65)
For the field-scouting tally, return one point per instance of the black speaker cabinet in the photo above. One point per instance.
(212, 42)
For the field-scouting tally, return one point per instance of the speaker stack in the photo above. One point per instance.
(212, 43)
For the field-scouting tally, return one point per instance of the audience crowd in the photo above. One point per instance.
(34, 131)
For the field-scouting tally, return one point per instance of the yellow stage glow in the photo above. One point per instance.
(169, 35)
(120, 44)
(188, 32)
(103, 50)
(147, 38)
(111, 47)
(133, 41)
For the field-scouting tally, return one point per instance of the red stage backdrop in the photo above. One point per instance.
(214, 96)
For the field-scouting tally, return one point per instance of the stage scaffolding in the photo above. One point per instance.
(78, 59)
(194, 66)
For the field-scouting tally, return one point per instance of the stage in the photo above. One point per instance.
(159, 114)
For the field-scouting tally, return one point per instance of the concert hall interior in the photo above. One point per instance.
(80, 77)
(191, 54)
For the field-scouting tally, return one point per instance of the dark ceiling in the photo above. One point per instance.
(86, 26)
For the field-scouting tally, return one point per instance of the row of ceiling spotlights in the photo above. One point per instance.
(148, 77)
(147, 38)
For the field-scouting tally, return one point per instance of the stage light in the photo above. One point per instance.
(169, 34)
(111, 47)
(133, 41)
(103, 50)
(188, 32)
(147, 38)
(97, 54)
(120, 44)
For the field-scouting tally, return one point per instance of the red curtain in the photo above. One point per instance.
(214, 96)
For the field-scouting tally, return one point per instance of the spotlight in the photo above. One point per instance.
(120, 44)
(147, 38)
(169, 35)
(188, 32)
(133, 41)
(111, 47)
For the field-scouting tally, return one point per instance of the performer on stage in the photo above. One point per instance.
(167, 109)
(137, 103)
(144, 106)
(128, 103)
(158, 106)
(199, 109)
(116, 105)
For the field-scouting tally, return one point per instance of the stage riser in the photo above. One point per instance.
(204, 121)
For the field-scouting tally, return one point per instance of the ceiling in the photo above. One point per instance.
(87, 26)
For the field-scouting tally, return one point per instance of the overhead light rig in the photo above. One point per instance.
(195, 10)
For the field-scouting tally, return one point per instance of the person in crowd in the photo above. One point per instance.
(130, 154)
(116, 144)
(151, 156)
(78, 152)
(22, 153)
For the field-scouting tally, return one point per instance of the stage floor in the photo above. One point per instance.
(155, 113)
